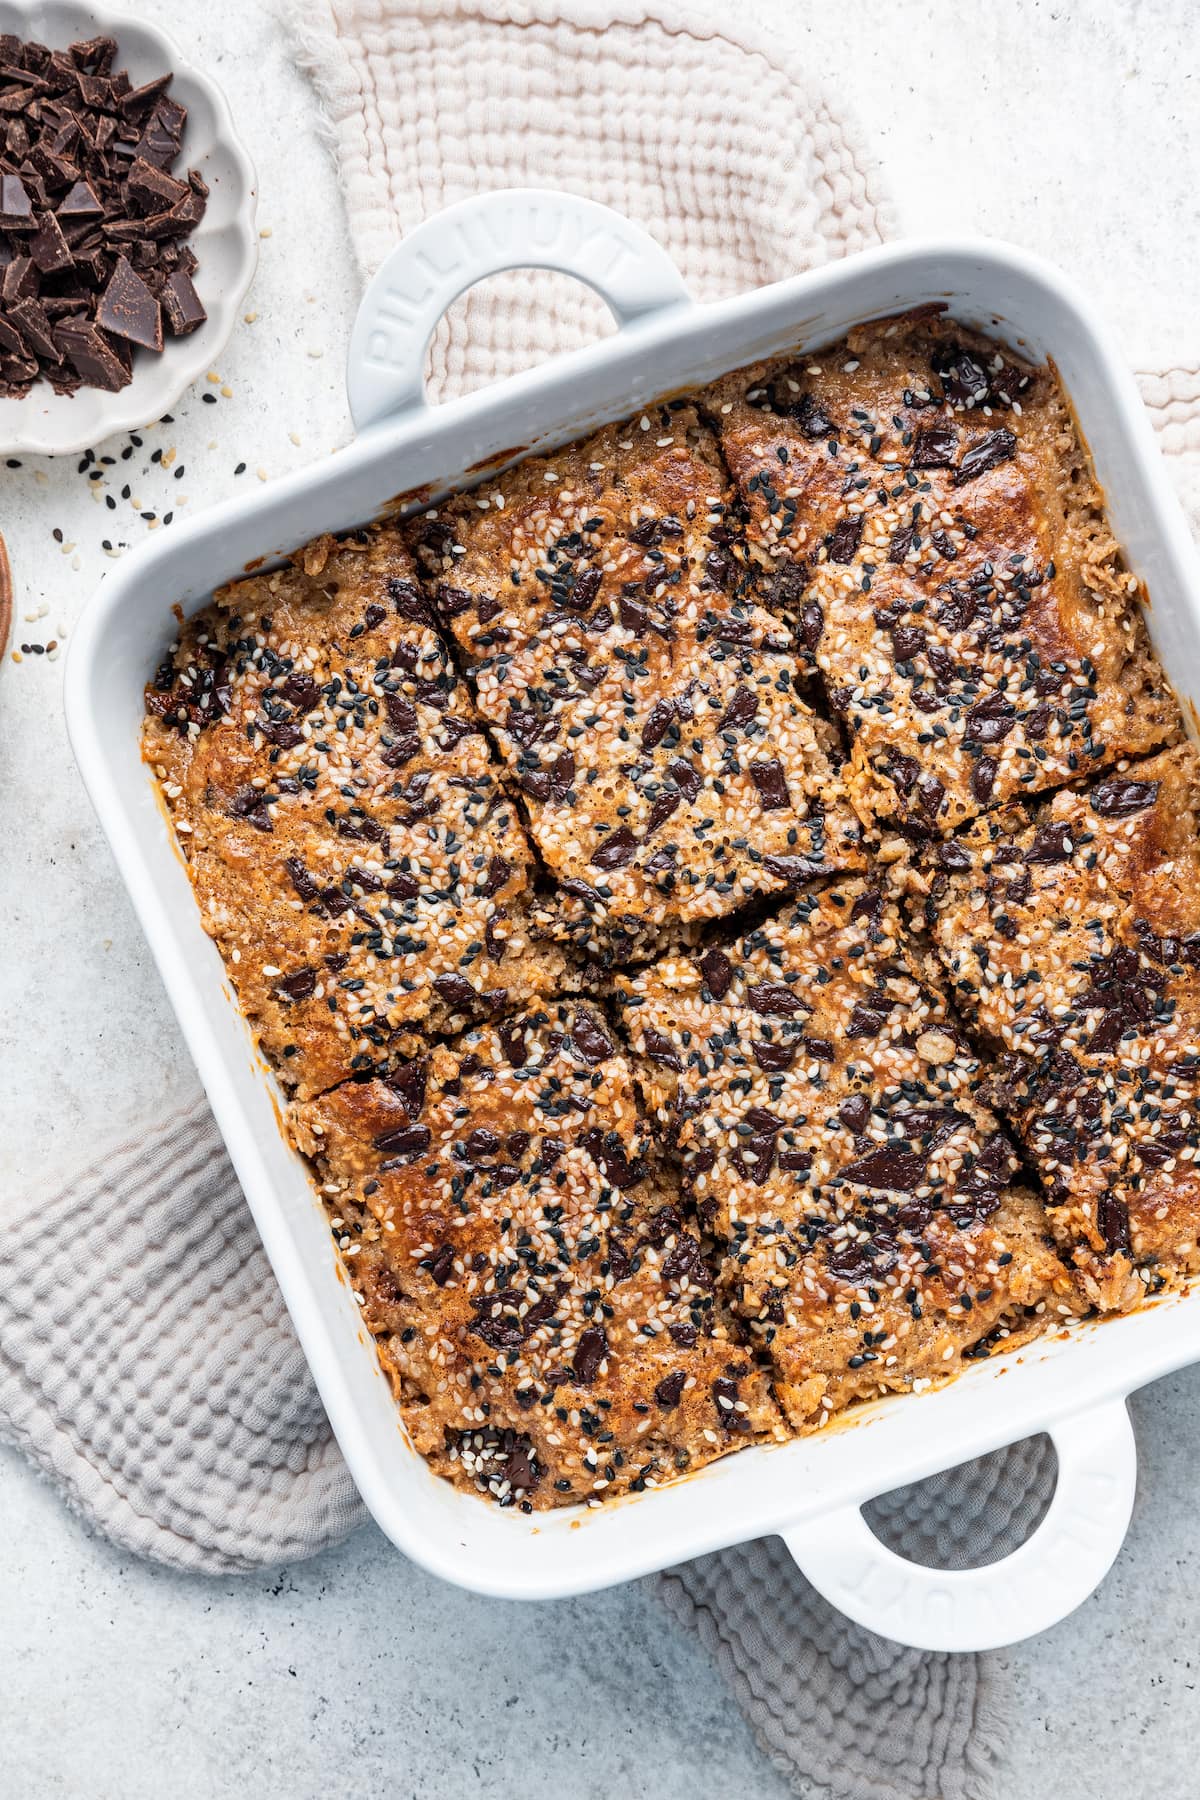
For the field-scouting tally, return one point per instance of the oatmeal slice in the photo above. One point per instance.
(822, 1105)
(651, 715)
(1072, 939)
(536, 1294)
(353, 852)
(924, 516)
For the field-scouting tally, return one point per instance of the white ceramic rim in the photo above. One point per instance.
(226, 241)
(810, 1490)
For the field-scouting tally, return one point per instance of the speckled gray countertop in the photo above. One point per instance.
(356, 1674)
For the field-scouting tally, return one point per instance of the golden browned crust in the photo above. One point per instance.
(924, 516)
(650, 714)
(1072, 939)
(821, 1101)
(526, 1267)
(352, 850)
(597, 1251)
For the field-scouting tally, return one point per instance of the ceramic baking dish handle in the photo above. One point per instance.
(509, 229)
(1052, 1573)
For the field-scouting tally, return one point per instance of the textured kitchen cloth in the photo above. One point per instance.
(149, 1368)
(147, 1364)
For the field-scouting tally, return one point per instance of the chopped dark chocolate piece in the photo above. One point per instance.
(128, 309)
(48, 247)
(92, 219)
(80, 202)
(16, 208)
(35, 328)
(91, 353)
(181, 304)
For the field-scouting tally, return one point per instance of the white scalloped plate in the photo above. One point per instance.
(225, 242)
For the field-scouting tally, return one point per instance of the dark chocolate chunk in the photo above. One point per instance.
(907, 641)
(717, 970)
(181, 304)
(455, 990)
(795, 870)
(410, 1083)
(990, 720)
(617, 850)
(897, 1170)
(685, 1262)
(606, 1150)
(983, 777)
(404, 1143)
(866, 1019)
(48, 247)
(658, 722)
(553, 783)
(31, 320)
(589, 1354)
(1112, 1216)
(964, 381)
(1117, 798)
(743, 706)
(929, 795)
(725, 1399)
(854, 1112)
(935, 447)
(669, 1391)
(299, 985)
(666, 804)
(128, 309)
(90, 352)
(1051, 843)
(811, 624)
(589, 1037)
(301, 880)
(660, 1049)
(844, 539)
(771, 782)
(685, 777)
(439, 1266)
(775, 997)
(16, 208)
(786, 584)
(481, 1144)
(995, 447)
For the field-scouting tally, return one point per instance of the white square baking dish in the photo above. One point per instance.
(1073, 1386)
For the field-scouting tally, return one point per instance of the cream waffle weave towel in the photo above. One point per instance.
(155, 1379)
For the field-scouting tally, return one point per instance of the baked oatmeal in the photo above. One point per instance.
(527, 1269)
(1071, 937)
(353, 851)
(808, 726)
(867, 1210)
(650, 715)
(924, 516)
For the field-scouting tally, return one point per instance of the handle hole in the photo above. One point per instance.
(508, 323)
(972, 1515)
